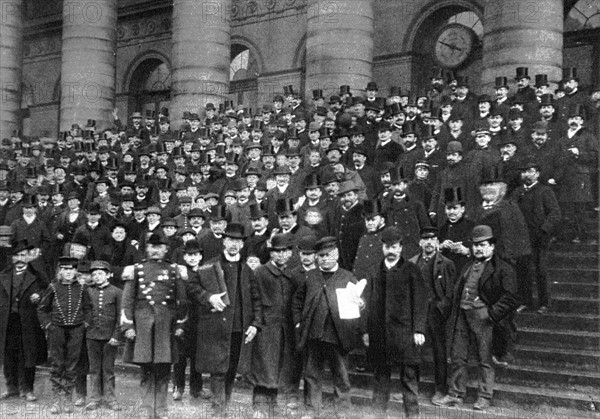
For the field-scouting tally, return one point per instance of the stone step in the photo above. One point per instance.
(574, 248)
(517, 398)
(559, 321)
(561, 304)
(559, 339)
(575, 289)
(565, 274)
(575, 359)
(572, 260)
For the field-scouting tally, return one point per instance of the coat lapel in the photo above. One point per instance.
(5, 279)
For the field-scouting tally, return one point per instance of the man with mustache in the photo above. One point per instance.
(484, 296)
(578, 160)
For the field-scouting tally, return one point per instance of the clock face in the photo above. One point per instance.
(453, 45)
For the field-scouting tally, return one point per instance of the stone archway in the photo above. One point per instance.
(148, 85)
(246, 65)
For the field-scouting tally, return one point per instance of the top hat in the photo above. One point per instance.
(569, 73)
(453, 196)
(438, 73)
(284, 206)
(462, 81)
(522, 73)
(577, 109)
(257, 211)
(345, 90)
(317, 94)
(541, 80)
(501, 82)
(397, 175)
(29, 201)
(219, 212)
(372, 208)
(547, 99)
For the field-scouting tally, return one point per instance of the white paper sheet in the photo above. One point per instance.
(349, 300)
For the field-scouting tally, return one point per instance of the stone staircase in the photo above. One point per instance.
(557, 357)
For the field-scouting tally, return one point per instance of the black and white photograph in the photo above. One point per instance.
(299, 209)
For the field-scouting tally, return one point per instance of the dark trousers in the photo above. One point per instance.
(436, 334)
(318, 354)
(574, 218)
(102, 370)
(409, 385)
(521, 266)
(83, 368)
(538, 268)
(64, 345)
(221, 384)
(155, 384)
(19, 378)
(469, 325)
(179, 375)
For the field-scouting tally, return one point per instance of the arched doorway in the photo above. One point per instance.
(582, 41)
(243, 76)
(425, 36)
(149, 87)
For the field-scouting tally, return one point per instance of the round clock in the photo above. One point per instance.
(453, 45)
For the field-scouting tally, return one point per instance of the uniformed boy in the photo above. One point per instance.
(65, 312)
(103, 336)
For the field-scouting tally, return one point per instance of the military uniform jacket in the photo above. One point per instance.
(154, 304)
(65, 305)
(106, 309)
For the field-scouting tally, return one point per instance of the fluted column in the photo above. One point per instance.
(11, 61)
(201, 55)
(339, 44)
(89, 42)
(522, 34)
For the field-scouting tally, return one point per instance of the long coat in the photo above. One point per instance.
(369, 254)
(154, 300)
(442, 288)
(33, 339)
(273, 349)
(308, 298)
(410, 217)
(540, 210)
(395, 313)
(215, 328)
(574, 179)
(348, 227)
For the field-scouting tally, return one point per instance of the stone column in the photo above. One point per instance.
(201, 55)
(11, 62)
(339, 45)
(89, 46)
(522, 34)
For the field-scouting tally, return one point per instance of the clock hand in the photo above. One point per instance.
(454, 47)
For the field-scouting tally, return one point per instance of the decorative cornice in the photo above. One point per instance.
(142, 28)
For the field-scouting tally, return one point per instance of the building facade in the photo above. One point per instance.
(67, 61)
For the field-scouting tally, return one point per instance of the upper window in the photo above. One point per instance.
(238, 70)
(584, 15)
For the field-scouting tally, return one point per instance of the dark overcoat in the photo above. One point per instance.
(34, 341)
(368, 255)
(273, 348)
(394, 312)
(410, 217)
(574, 178)
(347, 226)
(442, 288)
(308, 297)
(540, 210)
(497, 289)
(215, 328)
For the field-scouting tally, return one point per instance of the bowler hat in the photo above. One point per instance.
(307, 244)
(280, 242)
(528, 163)
(192, 246)
(325, 245)
(347, 186)
(94, 208)
(235, 231)
(157, 239)
(541, 127)
(482, 233)
(391, 235)
(21, 245)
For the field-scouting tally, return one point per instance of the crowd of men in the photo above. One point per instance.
(224, 241)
